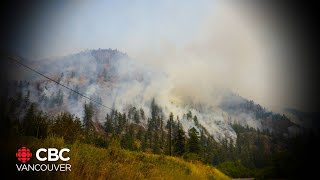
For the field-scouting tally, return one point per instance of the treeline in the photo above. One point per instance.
(136, 131)
(250, 107)
(254, 154)
(133, 129)
(154, 134)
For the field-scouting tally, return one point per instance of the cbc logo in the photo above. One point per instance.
(23, 154)
(43, 154)
(51, 154)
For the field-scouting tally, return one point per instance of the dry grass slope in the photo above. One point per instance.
(90, 162)
(113, 163)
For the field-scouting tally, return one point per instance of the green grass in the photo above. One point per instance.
(91, 162)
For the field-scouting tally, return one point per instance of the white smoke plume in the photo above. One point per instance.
(230, 52)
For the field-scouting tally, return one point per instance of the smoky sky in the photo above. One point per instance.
(263, 50)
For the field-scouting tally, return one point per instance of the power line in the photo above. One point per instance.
(11, 58)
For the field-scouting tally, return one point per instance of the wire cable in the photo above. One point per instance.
(16, 61)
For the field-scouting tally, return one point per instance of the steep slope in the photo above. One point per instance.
(117, 81)
(245, 112)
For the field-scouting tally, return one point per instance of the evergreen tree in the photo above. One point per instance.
(140, 134)
(88, 114)
(144, 143)
(210, 150)
(193, 141)
(189, 115)
(27, 99)
(75, 95)
(131, 112)
(149, 134)
(154, 109)
(35, 123)
(108, 125)
(203, 145)
(136, 117)
(156, 143)
(59, 98)
(143, 117)
(120, 121)
(67, 126)
(179, 140)
(127, 141)
(169, 127)
(162, 135)
(195, 119)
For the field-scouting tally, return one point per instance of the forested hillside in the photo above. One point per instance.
(113, 99)
(255, 153)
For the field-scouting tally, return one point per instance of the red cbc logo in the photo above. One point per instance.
(23, 154)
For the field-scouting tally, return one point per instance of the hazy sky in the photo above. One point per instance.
(63, 28)
(204, 44)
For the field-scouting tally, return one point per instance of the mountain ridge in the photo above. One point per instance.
(112, 77)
